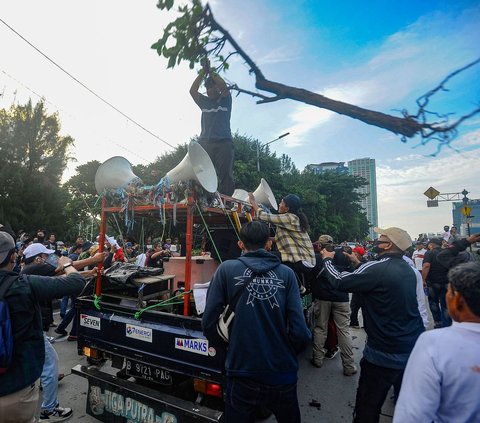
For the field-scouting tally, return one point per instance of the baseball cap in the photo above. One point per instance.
(6, 244)
(398, 236)
(325, 239)
(359, 250)
(35, 249)
(436, 241)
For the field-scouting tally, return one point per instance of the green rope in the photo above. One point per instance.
(164, 303)
(208, 232)
(96, 301)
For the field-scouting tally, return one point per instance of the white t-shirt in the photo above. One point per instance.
(417, 257)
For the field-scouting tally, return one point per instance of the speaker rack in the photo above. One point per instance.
(186, 213)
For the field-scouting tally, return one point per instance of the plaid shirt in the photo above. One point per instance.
(293, 244)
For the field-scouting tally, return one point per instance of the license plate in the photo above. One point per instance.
(147, 372)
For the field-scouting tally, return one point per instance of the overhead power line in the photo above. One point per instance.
(84, 86)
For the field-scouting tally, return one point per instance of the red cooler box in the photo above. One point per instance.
(203, 268)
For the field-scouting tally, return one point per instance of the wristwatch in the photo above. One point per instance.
(67, 265)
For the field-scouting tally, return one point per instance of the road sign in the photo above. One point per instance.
(466, 210)
(432, 203)
(431, 193)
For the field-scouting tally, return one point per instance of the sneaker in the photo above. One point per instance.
(72, 338)
(51, 339)
(330, 354)
(315, 363)
(350, 372)
(61, 332)
(59, 414)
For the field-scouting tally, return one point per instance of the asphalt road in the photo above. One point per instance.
(327, 385)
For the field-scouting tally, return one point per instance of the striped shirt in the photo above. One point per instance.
(293, 244)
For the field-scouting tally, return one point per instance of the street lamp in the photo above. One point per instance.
(269, 142)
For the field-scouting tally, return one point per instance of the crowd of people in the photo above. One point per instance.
(34, 271)
(388, 280)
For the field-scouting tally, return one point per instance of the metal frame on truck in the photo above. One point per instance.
(157, 353)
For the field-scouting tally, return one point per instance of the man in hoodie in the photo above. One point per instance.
(267, 333)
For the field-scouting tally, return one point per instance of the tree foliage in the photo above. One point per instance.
(195, 34)
(33, 156)
(82, 209)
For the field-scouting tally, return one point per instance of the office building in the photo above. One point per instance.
(366, 169)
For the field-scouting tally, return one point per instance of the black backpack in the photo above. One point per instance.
(6, 333)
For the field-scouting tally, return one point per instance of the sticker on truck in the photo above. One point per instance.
(139, 332)
(197, 346)
(91, 322)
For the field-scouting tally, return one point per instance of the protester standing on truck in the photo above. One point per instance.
(216, 136)
(19, 381)
(267, 333)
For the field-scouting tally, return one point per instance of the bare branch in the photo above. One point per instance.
(407, 125)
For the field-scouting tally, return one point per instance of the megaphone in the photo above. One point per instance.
(196, 165)
(114, 173)
(240, 194)
(264, 195)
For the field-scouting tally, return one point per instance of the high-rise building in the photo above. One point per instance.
(366, 169)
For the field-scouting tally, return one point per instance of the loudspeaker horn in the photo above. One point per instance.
(264, 195)
(114, 173)
(196, 165)
(240, 194)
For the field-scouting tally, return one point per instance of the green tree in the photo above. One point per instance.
(33, 156)
(83, 208)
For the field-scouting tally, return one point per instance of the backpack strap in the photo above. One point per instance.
(6, 284)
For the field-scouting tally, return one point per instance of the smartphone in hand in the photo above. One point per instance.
(52, 260)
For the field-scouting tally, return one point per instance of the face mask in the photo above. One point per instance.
(376, 248)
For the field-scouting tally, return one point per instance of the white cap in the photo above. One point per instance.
(35, 249)
(398, 236)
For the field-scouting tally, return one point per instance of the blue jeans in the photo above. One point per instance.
(49, 377)
(64, 306)
(244, 396)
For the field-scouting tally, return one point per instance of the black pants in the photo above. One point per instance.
(373, 386)
(355, 305)
(244, 396)
(222, 155)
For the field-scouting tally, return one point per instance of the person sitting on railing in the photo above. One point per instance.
(292, 240)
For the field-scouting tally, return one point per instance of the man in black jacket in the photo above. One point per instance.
(18, 385)
(391, 317)
(434, 276)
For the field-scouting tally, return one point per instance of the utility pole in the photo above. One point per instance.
(269, 142)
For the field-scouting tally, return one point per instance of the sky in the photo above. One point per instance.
(377, 54)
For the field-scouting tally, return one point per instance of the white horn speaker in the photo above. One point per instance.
(114, 173)
(264, 195)
(240, 194)
(196, 165)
